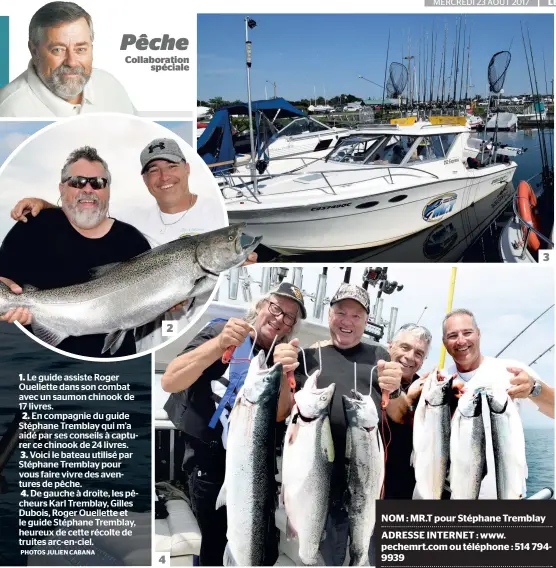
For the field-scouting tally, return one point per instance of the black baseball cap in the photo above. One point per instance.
(288, 290)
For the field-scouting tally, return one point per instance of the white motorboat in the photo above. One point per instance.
(506, 121)
(304, 138)
(474, 122)
(376, 186)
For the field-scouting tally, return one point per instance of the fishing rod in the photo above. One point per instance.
(546, 87)
(541, 355)
(448, 310)
(523, 331)
(535, 104)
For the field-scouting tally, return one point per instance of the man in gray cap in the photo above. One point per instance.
(347, 318)
(176, 213)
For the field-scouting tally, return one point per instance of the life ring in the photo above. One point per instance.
(527, 202)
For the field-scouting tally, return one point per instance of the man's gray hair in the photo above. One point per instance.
(419, 331)
(85, 153)
(255, 308)
(55, 14)
(458, 312)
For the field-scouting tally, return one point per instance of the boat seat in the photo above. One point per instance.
(178, 534)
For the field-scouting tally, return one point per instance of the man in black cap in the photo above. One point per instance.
(349, 309)
(200, 380)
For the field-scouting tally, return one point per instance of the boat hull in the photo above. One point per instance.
(369, 220)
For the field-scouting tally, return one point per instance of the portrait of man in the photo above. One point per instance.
(60, 79)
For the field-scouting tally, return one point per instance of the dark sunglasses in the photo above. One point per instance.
(79, 182)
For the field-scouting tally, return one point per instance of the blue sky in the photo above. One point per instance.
(303, 51)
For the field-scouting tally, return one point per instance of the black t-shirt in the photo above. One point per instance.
(337, 367)
(192, 410)
(399, 478)
(47, 252)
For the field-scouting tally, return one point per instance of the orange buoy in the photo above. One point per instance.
(527, 202)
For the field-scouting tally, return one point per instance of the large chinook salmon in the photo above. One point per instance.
(307, 463)
(508, 444)
(365, 473)
(467, 448)
(249, 490)
(431, 437)
(122, 296)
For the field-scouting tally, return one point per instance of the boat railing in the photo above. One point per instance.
(529, 228)
(391, 172)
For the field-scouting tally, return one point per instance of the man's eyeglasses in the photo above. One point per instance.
(79, 182)
(277, 311)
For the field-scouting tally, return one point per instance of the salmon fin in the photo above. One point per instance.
(293, 433)
(203, 285)
(50, 336)
(229, 559)
(114, 341)
(29, 288)
(290, 530)
(99, 271)
(221, 499)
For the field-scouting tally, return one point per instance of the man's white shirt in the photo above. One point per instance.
(28, 96)
(160, 228)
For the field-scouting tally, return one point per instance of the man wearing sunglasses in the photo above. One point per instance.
(176, 212)
(199, 379)
(343, 356)
(60, 246)
(60, 79)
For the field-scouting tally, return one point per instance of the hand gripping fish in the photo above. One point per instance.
(249, 490)
(365, 473)
(307, 467)
(122, 296)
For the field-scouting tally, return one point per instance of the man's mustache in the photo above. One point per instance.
(68, 69)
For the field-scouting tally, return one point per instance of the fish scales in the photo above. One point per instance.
(307, 468)
(431, 438)
(365, 473)
(508, 444)
(467, 448)
(133, 293)
(249, 490)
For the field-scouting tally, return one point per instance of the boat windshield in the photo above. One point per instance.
(356, 149)
(301, 126)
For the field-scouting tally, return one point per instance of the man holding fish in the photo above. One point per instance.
(176, 212)
(501, 385)
(61, 246)
(202, 380)
(349, 364)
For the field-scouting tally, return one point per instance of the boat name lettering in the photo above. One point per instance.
(502, 179)
(452, 161)
(439, 206)
(164, 43)
(330, 207)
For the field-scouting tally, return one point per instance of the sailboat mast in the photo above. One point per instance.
(385, 71)
(468, 65)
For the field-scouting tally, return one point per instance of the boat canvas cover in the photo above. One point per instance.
(216, 146)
